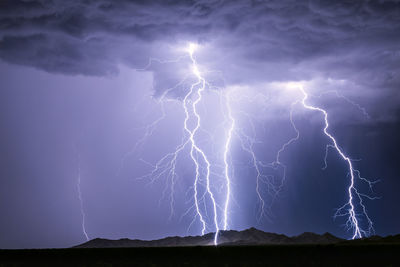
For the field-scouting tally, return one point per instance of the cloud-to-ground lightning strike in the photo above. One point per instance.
(166, 166)
(226, 163)
(350, 208)
(78, 186)
(194, 147)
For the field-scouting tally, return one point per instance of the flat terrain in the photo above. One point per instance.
(268, 255)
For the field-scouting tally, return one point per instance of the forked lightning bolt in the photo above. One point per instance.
(350, 208)
(166, 166)
(201, 83)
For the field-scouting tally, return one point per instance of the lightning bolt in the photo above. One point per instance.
(166, 166)
(226, 163)
(78, 185)
(349, 208)
(194, 147)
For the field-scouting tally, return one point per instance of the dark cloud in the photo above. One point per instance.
(260, 40)
(57, 55)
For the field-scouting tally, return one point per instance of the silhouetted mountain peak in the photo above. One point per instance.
(311, 238)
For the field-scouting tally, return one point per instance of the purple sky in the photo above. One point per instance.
(71, 88)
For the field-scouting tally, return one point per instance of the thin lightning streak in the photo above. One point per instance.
(167, 166)
(226, 169)
(247, 145)
(149, 129)
(326, 156)
(352, 221)
(83, 225)
(356, 105)
(277, 161)
(262, 178)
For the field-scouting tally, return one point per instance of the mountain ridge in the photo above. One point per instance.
(251, 236)
(247, 237)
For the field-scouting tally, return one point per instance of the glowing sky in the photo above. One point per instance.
(81, 81)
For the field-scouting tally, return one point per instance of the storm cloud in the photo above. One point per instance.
(260, 40)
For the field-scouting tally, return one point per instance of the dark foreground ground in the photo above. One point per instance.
(273, 255)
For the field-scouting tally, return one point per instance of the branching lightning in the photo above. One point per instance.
(203, 190)
(266, 183)
(247, 145)
(349, 209)
(194, 147)
(166, 166)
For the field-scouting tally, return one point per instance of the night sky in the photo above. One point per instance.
(82, 82)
